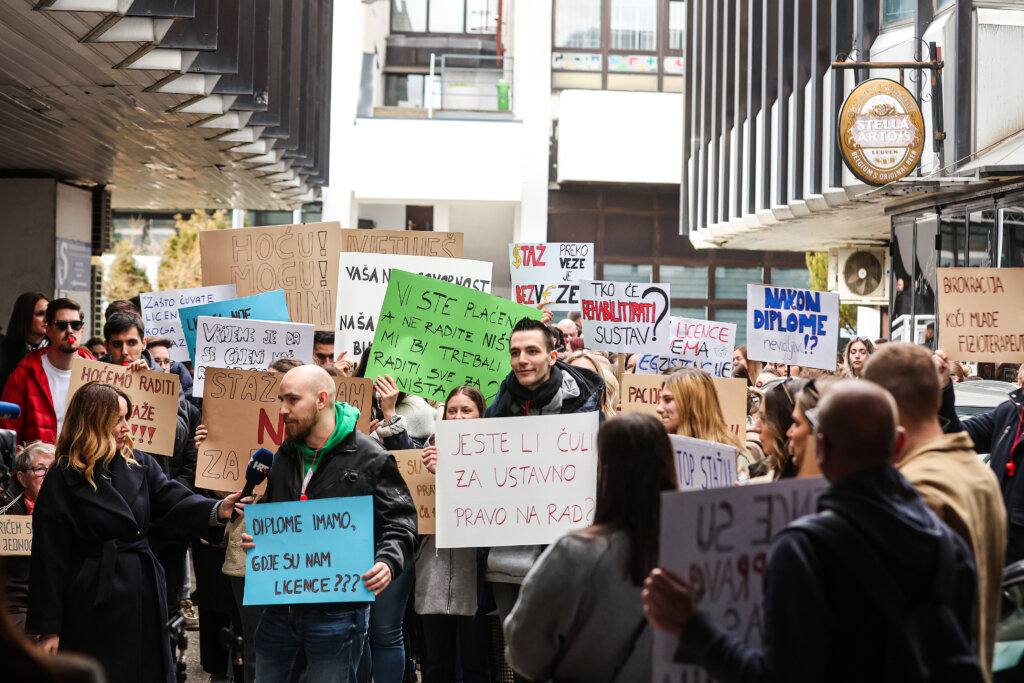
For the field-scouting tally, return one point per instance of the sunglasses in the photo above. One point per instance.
(63, 325)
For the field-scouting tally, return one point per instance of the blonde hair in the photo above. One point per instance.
(700, 413)
(87, 436)
(610, 395)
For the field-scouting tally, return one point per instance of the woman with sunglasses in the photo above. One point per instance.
(775, 416)
(856, 354)
(26, 332)
(19, 498)
(801, 431)
(96, 586)
(40, 382)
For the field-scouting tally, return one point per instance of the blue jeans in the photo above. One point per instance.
(332, 641)
(385, 656)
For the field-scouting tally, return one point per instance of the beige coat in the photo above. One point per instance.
(964, 493)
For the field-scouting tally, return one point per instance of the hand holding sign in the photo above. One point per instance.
(312, 551)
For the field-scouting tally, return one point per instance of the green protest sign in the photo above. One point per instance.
(433, 336)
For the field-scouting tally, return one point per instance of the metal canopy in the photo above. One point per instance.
(156, 98)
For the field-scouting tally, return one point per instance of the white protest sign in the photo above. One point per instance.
(702, 465)
(703, 344)
(550, 273)
(625, 316)
(792, 326)
(515, 480)
(363, 282)
(238, 344)
(15, 535)
(719, 541)
(160, 313)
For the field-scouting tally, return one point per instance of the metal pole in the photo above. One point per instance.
(430, 91)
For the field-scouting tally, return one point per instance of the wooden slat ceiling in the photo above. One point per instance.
(66, 111)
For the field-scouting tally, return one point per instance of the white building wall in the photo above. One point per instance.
(620, 137)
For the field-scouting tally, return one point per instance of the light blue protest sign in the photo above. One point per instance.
(309, 551)
(271, 306)
(792, 326)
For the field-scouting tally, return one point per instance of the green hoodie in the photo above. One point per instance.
(345, 418)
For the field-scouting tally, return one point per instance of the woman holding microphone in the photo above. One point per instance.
(96, 586)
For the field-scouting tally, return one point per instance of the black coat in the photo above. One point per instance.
(95, 581)
(358, 466)
(994, 432)
(820, 623)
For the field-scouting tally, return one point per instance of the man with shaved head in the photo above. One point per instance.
(872, 588)
(325, 456)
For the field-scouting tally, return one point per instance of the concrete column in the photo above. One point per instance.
(47, 229)
(532, 104)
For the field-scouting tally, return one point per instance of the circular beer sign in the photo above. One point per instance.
(881, 131)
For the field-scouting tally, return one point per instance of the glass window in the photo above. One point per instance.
(731, 283)
(409, 15)
(902, 286)
(698, 312)
(403, 90)
(981, 238)
(578, 23)
(734, 315)
(633, 24)
(1013, 237)
(948, 229)
(446, 16)
(676, 24)
(939, 4)
(618, 272)
(897, 10)
(798, 278)
(688, 282)
(482, 16)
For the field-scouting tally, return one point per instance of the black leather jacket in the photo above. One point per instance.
(358, 466)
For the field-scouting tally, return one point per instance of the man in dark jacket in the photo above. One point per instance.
(1000, 433)
(325, 456)
(823, 619)
(539, 384)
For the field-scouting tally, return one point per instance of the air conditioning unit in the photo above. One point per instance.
(862, 274)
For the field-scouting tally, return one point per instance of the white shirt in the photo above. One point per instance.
(59, 381)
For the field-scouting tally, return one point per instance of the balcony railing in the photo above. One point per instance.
(470, 83)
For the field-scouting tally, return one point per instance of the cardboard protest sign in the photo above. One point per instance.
(703, 465)
(247, 345)
(160, 313)
(719, 540)
(266, 306)
(515, 480)
(625, 316)
(15, 535)
(792, 326)
(641, 393)
(550, 273)
(421, 485)
(703, 344)
(241, 413)
(300, 259)
(980, 316)
(408, 242)
(154, 396)
(434, 336)
(309, 551)
(363, 282)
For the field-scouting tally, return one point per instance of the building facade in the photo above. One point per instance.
(761, 165)
(529, 120)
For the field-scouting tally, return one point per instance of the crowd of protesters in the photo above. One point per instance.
(897, 578)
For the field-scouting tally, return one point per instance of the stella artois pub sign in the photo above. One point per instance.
(881, 131)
